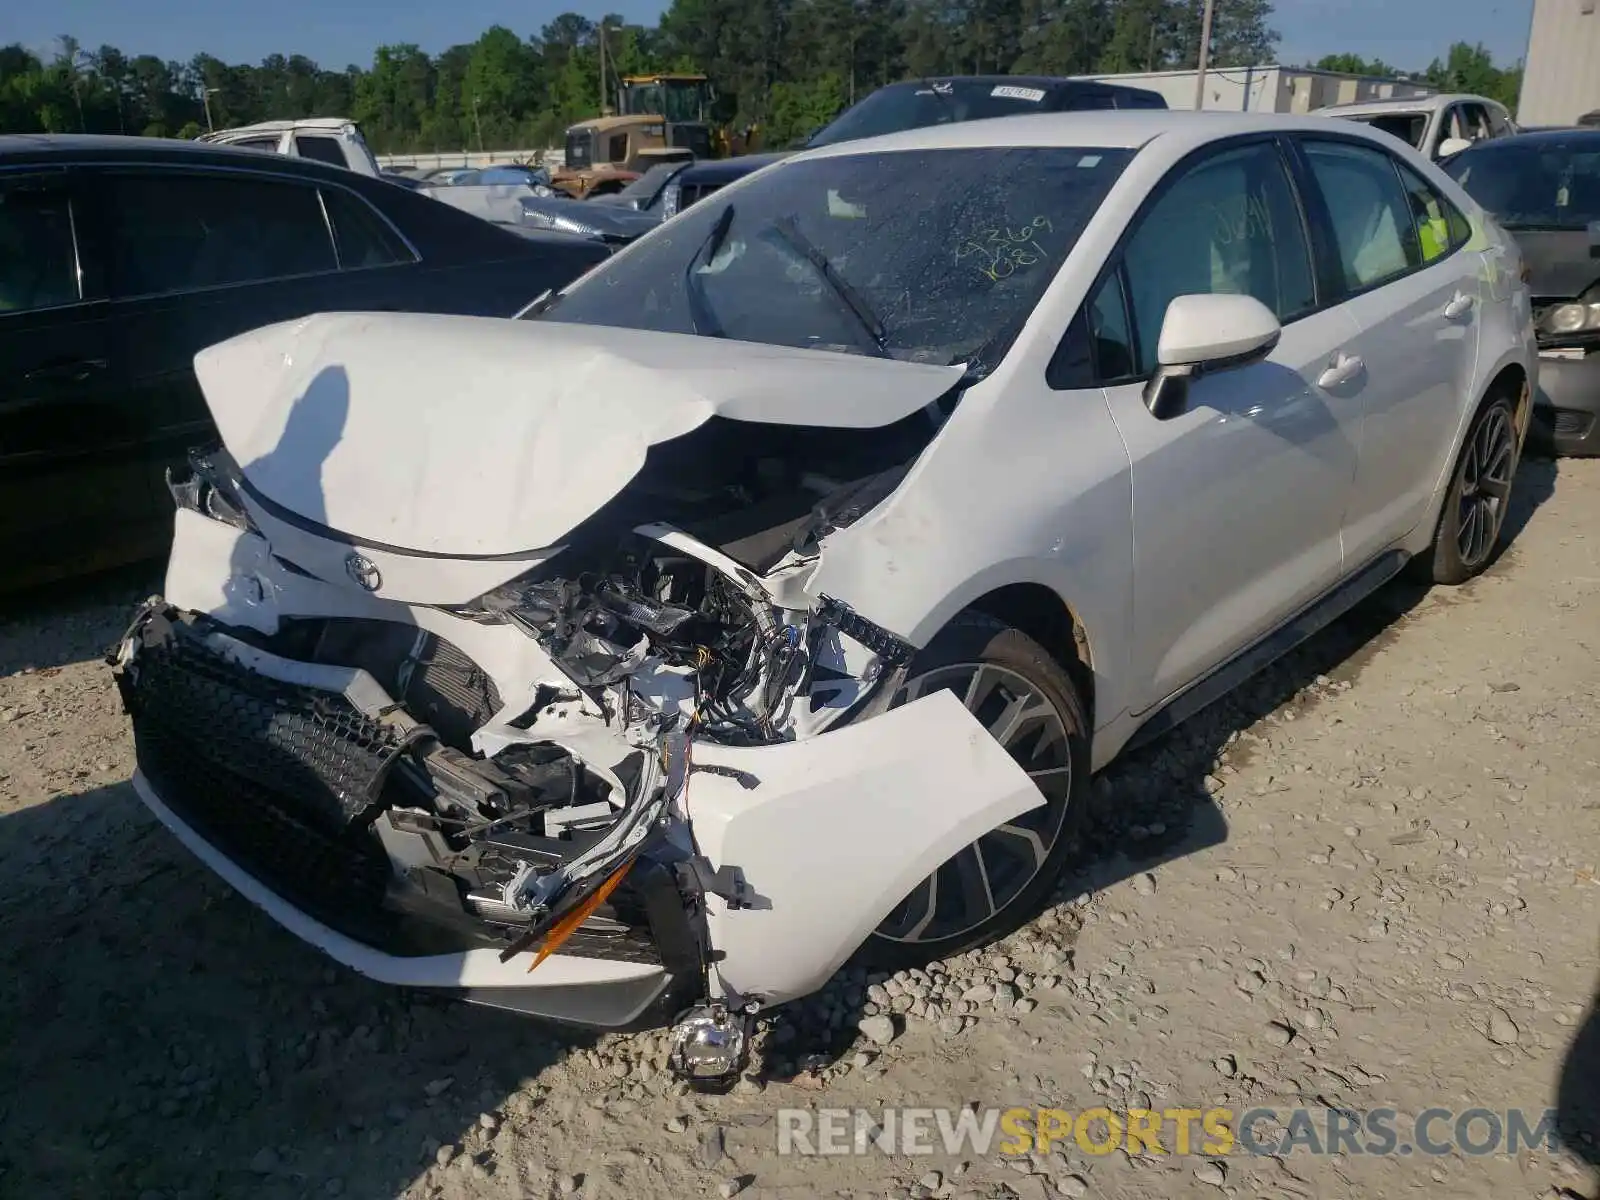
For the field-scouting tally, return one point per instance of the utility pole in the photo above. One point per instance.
(605, 108)
(205, 98)
(1205, 53)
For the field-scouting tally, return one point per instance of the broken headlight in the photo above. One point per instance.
(211, 488)
(842, 508)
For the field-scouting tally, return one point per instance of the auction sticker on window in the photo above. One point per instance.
(1018, 93)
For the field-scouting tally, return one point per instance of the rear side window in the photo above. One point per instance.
(1439, 224)
(1372, 224)
(269, 144)
(38, 255)
(364, 238)
(176, 231)
(1087, 100)
(1137, 99)
(323, 149)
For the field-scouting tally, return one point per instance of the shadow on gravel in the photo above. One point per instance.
(1535, 483)
(48, 627)
(162, 1038)
(1578, 1091)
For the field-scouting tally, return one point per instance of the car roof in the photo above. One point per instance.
(1055, 83)
(330, 123)
(1125, 129)
(46, 149)
(1402, 104)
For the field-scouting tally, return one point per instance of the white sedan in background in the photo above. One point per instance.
(771, 595)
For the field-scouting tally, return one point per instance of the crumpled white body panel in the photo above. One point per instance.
(836, 830)
(473, 437)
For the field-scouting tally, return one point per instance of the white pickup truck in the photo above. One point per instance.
(335, 140)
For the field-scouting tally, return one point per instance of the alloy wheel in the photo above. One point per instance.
(981, 879)
(1487, 468)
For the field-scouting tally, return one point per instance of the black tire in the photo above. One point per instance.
(976, 638)
(1482, 481)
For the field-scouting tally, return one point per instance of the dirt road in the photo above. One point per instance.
(1368, 881)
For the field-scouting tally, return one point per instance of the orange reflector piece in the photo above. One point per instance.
(568, 925)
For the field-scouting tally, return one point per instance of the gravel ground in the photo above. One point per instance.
(1368, 880)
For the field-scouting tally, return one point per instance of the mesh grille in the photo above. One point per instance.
(314, 749)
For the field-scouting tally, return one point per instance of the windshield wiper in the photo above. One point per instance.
(786, 228)
(701, 319)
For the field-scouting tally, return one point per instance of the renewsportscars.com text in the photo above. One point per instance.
(1212, 1132)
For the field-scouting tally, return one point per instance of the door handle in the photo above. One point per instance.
(1342, 368)
(1459, 304)
(72, 370)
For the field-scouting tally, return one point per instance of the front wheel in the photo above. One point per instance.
(1031, 706)
(1480, 494)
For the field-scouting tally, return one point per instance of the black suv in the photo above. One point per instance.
(121, 258)
(918, 103)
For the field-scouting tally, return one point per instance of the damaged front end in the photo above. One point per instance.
(587, 782)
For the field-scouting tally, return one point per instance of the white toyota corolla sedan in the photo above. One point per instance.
(769, 596)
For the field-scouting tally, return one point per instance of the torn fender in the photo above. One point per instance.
(830, 833)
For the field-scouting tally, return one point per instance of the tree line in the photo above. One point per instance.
(785, 66)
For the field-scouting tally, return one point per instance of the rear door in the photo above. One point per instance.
(1412, 289)
(194, 257)
(73, 495)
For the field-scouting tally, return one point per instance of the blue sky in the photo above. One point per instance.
(1407, 33)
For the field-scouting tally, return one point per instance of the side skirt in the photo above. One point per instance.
(1178, 708)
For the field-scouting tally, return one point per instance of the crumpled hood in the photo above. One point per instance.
(478, 437)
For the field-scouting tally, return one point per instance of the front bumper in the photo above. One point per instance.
(1566, 413)
(269, 782)
(766, 869)
(570, 988)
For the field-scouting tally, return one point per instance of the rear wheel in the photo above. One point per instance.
(1475, 507)
(1031, 706)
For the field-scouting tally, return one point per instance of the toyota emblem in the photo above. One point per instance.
(364, 571)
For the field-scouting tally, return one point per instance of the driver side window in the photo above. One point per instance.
(1229, 224)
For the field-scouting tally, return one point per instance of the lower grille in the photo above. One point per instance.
(321, 757)
(273, 775)
(284, 781)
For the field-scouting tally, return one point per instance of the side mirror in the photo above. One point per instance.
(1453, 146)
(1202, 334)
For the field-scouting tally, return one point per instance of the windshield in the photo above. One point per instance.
(930, 102)
(930, 255)
(645, 188)
(1534, 183)
(1408, 127)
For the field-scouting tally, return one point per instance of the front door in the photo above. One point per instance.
(1237, 500)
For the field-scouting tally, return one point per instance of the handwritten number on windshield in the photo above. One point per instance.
(1003, 249)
